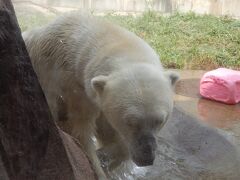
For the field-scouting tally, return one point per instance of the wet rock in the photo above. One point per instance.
(200, 141)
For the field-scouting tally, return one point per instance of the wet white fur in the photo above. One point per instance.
(70, 52)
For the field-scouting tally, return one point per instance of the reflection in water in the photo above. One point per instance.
(214, 113)
(188, 88)
(218, 114)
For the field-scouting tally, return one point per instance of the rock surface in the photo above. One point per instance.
(31, 146)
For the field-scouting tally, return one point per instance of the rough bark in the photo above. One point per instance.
(31, 146)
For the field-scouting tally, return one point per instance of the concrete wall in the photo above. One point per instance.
(216, 7)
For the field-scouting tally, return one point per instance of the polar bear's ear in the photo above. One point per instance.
(173, 76)
(98, 83)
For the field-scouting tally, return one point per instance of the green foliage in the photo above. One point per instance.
(187, 41)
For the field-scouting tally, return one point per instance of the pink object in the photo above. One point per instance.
(221, 85)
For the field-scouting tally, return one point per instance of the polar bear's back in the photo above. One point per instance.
(75, 41)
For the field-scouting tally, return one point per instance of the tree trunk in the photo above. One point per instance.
(32, 146)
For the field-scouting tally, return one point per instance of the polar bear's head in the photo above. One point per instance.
(137, 101)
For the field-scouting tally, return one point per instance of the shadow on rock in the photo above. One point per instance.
(188, 149)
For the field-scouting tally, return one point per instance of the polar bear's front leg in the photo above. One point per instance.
(83, 129)
(80, 123)
(112, 148)
(89, 148)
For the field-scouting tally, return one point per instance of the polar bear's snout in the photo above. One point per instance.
(144, 149)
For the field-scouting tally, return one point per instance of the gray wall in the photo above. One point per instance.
(216, 7)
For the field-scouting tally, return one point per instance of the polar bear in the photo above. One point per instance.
(95, 73)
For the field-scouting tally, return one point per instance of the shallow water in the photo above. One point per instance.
(201, 141)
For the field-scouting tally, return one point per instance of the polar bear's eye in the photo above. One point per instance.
(156, 122)
(167, 116)
(160, 122)
(134, 123)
